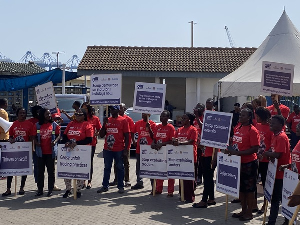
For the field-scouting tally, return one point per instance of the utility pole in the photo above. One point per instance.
(192, 33)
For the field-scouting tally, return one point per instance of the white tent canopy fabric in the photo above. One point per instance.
(282, 46)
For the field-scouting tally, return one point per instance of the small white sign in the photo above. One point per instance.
(180, 162)
(46, 96)
(106, 89)
(228, 174)
(74, 163)
(277, 78)
(270, 180)
(149, 98)
(153, 163)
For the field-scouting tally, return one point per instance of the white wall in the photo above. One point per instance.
(191, 94)
(207, 88)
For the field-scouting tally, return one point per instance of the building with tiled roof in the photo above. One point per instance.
(189, 73)
(19, 69)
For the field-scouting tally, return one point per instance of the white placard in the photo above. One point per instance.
(270, 180)
(149, 98)
(277, 78)
(290, 182)
(16, 159)
(74, 164)
(180, 162)
(153, 163)
(228, 174)
(106, 89)
(45, 96)
(216, 129)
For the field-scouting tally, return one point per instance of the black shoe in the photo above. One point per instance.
(49, 194)
(39, 193)
(78, 194)
(137, 186)
(114, 183)
(67, 194)
(102, 189)
(7, 193)
(21, 192)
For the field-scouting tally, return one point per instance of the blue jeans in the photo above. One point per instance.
(275, 201)
(109, 156)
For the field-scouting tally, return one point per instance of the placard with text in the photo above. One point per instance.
(270, 180)
(45, 96)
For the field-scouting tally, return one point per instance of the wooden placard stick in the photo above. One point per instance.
(75, 188)
(226, 207)
(294, 215)
(265, 212)
(107, 111)
(154, 187)
(181, 190)
(16, 186)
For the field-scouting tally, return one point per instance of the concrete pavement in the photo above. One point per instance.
(132, 207)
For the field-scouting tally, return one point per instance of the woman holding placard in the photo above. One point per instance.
(78, 132)
(20, 131)
(262, 116)
(187, 135)
(245, 144)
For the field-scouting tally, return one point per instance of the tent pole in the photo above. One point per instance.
(219, 92)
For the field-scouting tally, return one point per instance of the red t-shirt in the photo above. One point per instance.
(280, 143)
(96, 124)
(244, 138)
(296, 158)
(115, 129)
(164, 133)
(143, 135)
(131, 127)
(46, 136)
(185, 134)
(21, 131)
(265, 135)
(293, 119)
(79, 131)
(285, 111)
(33, 120)
(199, 129)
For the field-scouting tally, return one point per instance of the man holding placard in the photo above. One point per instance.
(115, 129)
(277, 108)
(280, 147)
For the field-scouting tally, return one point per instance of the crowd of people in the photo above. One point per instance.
(258, 135)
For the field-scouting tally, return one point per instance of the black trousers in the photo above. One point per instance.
(92, 164)
(49, 162)
(208, 175)
(9, 180)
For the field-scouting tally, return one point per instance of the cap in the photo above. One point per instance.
(115, 107)
(237, 104)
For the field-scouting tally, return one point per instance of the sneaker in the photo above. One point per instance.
(127, 184)
(102, 189)
(114, 183)
(49, 194)
(137, 186)
(78, 194)
(21, 192)
(7, 193)
(121, 190)
(56, 188)
(67, 194)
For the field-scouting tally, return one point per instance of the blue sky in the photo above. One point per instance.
(70, 26)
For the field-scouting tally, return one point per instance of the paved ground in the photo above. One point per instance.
(133, 207)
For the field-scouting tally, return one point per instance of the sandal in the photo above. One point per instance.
(89, 186)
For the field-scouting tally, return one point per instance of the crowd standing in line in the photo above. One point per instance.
(258, 136)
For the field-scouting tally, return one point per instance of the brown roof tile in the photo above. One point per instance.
(183, 59)
(20, 68)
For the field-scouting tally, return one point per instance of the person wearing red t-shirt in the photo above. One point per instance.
(78, 132)
(47, 134)
(96, 124)
(115, 129)
(20, 131)
(292, 122)
(280, 150)
(245, 143)
(125, 159)
(163, 135)
(199, 111)
(277, 108)
(263, 115)
(145, 130)
(187, 135)
(35, 118)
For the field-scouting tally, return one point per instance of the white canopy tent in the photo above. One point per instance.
(282, 46)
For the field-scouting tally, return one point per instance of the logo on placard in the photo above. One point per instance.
(170, 151)
(208, 117)
(95, 79)
(144, 151)
(140, 86)
(221, 159)
(267, 66)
